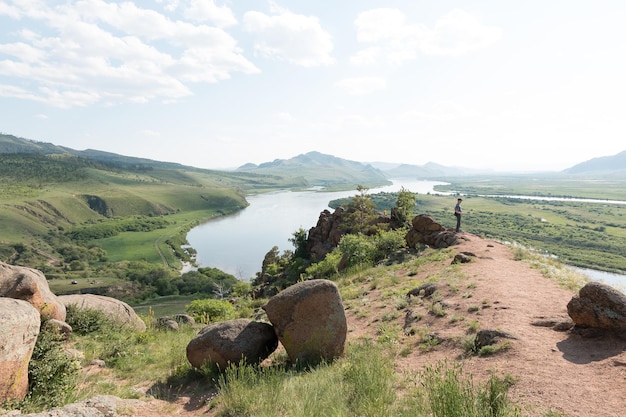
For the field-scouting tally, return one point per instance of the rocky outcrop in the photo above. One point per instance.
(427, 231)
(30, 285)
(599, 306)
(310, 321)
(113, 308)
(19, 328)
(220, 344)
(325, 236)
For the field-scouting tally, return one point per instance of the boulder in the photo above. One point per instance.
(60, 327)
(219, 344)
(599, 306)
(19, 328)
(113, 308)
(426, 230)
(30, 285)
(310, 321)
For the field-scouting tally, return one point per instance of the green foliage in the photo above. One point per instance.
(298, 240)
(405, 204)
(109, 228)
(210, 310)
(359, 249)
(451, 393)
(388, 242)
(52, 373)
(86, 321)
(360, 213)
(327, 267)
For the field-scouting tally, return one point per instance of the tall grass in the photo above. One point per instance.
(363, 383)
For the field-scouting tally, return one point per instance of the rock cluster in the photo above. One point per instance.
(307, 318)
(26, 303)
(325, 236)
(427, 231)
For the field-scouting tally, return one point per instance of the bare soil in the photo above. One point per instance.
(554, 370)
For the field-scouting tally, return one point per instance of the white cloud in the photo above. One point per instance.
(95, 51)
(362, 85)
(199, 10)
(291, 37)
(387, 35)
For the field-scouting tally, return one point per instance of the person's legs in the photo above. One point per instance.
(458, 222)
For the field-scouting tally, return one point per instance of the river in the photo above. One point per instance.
(237, 243)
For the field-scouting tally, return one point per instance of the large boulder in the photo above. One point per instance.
(19, 328)
(426, 230)
(310, 321)
(599, 306)
(115, 309)
(231, 341)
(30, 285)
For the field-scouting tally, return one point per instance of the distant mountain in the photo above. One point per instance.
(10, 144)
(319, 169)
(606, 165)
(429, 170)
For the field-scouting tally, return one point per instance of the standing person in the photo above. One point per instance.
(458, 211)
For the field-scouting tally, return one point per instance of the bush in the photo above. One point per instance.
(359, 248)
(327, 267)
(386, 243)
(52, 373)
(210, 310)
(86, 321)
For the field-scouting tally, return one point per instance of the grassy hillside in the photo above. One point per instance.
(73, 217)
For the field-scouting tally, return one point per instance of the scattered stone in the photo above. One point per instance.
(30, 285)
(461, 258)
(410, 318)
(166, 323)
(599, 305)
(184, 319)
(424, 290)
(490, 337)
(310, 321)
(19, 328)
(232, 341)
(100, 406)
(115, 309)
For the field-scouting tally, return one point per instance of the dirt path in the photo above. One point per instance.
(554, 369)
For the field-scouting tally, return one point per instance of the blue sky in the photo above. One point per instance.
(504, 85)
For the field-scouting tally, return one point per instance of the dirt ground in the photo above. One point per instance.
(554, 370)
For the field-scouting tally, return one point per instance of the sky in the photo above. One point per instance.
(529, 85)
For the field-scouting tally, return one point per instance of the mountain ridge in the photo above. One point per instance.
(375, 172)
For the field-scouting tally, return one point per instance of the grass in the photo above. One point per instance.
(163, 306)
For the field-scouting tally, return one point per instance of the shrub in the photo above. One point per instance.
(86, 321)
(327, 267)
(359, 248)
(210, 310)
(52, 373)
(388, 242)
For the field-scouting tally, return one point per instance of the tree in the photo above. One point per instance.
(405, 204)
(299, 242)
(361, 212)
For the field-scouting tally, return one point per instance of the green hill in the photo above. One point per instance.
(320, 170)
